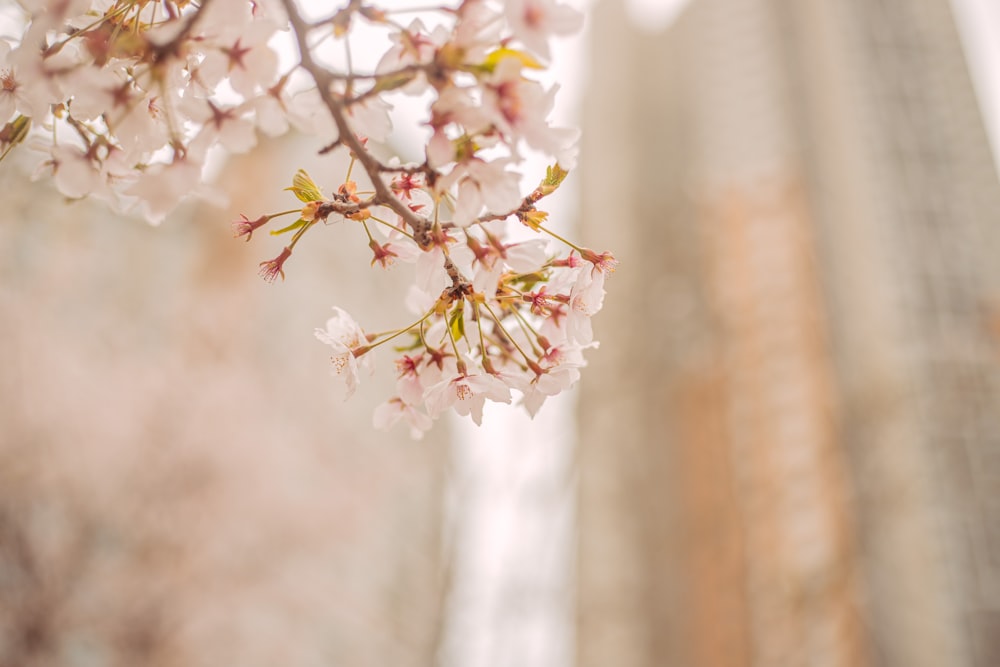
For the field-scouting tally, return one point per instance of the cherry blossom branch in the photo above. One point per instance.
(391, 78)
(323, 78)
(141, 112)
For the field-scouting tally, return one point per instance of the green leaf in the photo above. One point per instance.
(456, 322)
(305, 188)
(554, 176)
(295, 225)
(409, 348)
(14, 133)
(494, 57)
(527, 281)
(387, 83)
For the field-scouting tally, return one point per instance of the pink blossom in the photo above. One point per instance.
(557, 370)
(550, 383)
(25, 86)
(482, 185)
(141, 127)
(411, 46)
(245, 58)
(520, 108)
(162, 187)
(395, 409)
(225, 126)
(477, 30)
(370, 118)
(75, 174)
(535, 21)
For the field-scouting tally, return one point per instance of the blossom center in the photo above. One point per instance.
(510, 102)
(339, 362)
(7, 81)
(533, 16)
(236, 55)
(153, 108)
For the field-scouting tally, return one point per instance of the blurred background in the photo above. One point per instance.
(785, 452)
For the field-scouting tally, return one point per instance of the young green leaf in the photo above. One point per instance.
(457, 323)
(292, 227)
(304, 187)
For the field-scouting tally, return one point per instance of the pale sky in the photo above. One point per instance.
(979, 23)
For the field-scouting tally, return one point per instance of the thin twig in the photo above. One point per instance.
(323, 78)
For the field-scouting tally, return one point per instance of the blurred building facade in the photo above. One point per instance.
(790, 451)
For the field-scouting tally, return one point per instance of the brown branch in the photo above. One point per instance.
(422, 227)
(323, 78)
(402, 72)
(343, 208)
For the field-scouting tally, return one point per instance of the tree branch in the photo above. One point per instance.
(421, 226)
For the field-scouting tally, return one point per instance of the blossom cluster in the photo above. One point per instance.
(492, 315)
(127, 97)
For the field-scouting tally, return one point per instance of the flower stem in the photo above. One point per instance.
(371, 239)
(403, 331)
(506, 333)
(528, 330)
(392, 226)
(559, 238)
(299, 232)
(479, 325)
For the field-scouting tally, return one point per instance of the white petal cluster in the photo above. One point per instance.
(125, 100)
(521, 332)
(118, 92)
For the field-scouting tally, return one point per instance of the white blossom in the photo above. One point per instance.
(467, 394)
(126, 102)
(345, 336)
(535, 21)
